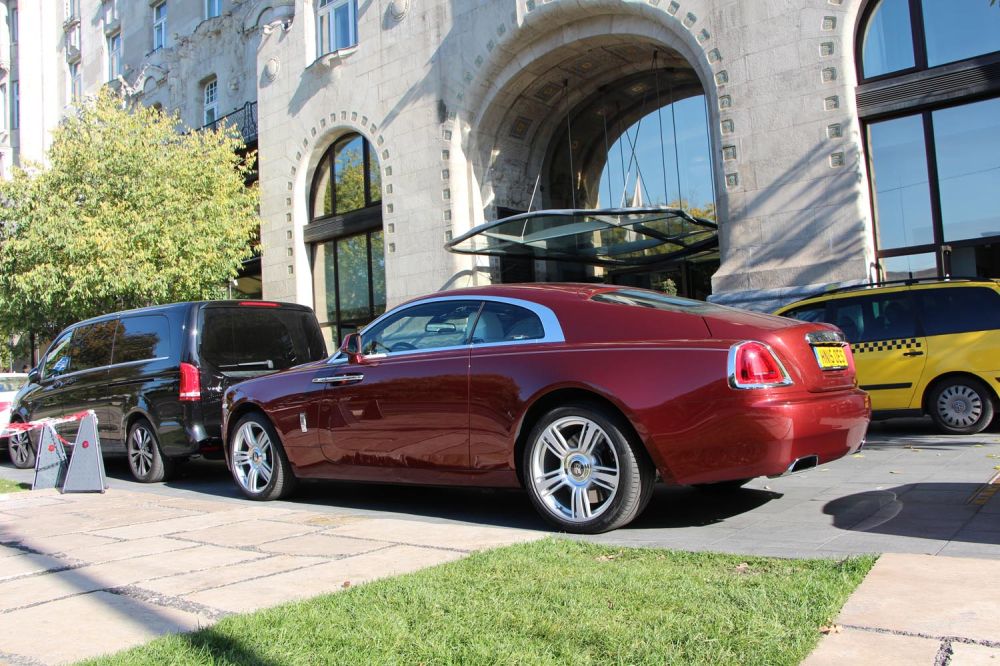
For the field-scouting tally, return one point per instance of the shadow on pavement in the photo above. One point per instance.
(686, 506)
(947, 511)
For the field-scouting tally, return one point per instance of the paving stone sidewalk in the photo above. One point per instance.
(83, 575)
(919, 610)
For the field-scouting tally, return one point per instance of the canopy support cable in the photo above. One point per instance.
(677, 159)
(659, 117)
(569, 142)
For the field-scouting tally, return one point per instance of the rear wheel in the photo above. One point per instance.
(21, 450)
(961, 406)
(258, 462)
(583, 472)
(145, 459)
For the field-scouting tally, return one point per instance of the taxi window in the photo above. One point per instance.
(959, 310)
(874, 317)
(811, 313)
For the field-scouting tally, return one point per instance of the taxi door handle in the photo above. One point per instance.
(913, 353)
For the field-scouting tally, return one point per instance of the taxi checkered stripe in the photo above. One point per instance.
(884, 345)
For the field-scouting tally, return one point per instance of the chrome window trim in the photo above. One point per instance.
(109, 367)
(550, 325)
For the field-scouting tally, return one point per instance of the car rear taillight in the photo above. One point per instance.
(190, 383)
(753, 365)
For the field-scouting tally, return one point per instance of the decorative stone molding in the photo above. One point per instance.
(399, 8)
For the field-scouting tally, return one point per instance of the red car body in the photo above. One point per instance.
(461, 415)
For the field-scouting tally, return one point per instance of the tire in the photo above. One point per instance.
(583, 470)
(21, 450)
(723, 486)
(258, 461)
(961, 406)
(145, 459)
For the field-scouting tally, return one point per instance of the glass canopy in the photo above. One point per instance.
(624, 237)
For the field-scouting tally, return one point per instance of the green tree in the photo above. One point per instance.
(128, 213)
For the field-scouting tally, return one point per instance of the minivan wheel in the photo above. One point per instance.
(583, 472)
(145, 459)
(961, 406)
(21, 451)
(257, 460)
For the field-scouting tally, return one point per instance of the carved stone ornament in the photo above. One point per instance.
(398, 8)
(271, 68)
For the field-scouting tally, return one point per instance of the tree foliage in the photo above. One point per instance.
(129, 213)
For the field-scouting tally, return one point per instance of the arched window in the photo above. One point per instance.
(929, 104)
(345, 230)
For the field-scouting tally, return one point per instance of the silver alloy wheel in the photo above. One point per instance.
(959, 406)
(253, 457)
(575, 469)
(140, 451)
(20, 448)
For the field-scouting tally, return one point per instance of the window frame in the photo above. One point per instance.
(114, 55)
(328, 9)
(75, 81)
(12, 17)
(159, 25)
(15, 104)
(209, 6)
(212, 105)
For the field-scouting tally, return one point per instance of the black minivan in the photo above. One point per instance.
(155, 376)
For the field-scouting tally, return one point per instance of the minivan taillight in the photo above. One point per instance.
(190, 383)
(753, 365)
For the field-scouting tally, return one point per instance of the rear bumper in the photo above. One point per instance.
(765, 436)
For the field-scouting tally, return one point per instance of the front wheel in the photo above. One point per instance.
(258, 462)
(962, 406)
(583, 472)
(145, 459)
(21, 450)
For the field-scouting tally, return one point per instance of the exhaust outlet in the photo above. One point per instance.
(799, 465)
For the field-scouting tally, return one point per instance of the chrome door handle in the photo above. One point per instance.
(338, 380)
(913, 353)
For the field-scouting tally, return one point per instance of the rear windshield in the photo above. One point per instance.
(652, 299)
(246, 342)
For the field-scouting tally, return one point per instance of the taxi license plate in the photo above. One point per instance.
(831, 358)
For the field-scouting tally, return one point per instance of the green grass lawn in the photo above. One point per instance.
(550, 602)
(7, 486)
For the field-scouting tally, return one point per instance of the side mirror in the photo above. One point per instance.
(33, 375)
(351, 346)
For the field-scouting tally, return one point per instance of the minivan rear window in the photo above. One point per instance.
(245, 342)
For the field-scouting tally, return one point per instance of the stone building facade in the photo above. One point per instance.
(387, 128)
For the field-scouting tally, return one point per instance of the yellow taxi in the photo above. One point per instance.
(920, 346)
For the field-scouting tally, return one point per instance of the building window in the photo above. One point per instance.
(72, 9)
(75, 82)
(114, 56)
(346, 225)
(336, 25)
(213, 8)
(13, 25)
(211, 97)
(933, 148)
(3, 106)
(15, 119)
(159, 25)
(112, 11)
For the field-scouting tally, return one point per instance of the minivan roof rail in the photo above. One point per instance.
(907, 282)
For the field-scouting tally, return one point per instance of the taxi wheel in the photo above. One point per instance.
(961, 406)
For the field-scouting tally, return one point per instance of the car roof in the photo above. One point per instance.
(892, 287)
(166, 307)
(539, 292)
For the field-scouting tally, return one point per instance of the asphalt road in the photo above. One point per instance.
(909, 491)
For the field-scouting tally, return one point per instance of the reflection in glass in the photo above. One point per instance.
(352, 262)
(888, 45)
(322, 192)
(909, 266)
(900, 181)
(967, 139)
(325, 282)
(960, 29)
(374, 176)
(378, 273)
(349, 172)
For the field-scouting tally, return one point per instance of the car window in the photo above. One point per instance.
(810, 313)
(142, 338)
(249, 341)
(503, 322)
(12, 383)
(425, 326)
(958, 310)
(91, 347)
(57, 359)
(874, 317)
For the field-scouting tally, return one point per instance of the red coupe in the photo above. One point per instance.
(582, 394)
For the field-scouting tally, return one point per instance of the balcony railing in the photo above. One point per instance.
(243, 119)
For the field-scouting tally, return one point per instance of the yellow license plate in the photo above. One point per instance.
(831, 358)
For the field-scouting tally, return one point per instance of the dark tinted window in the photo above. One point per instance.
(91, 346)
(815, 312)
(502, 322)
(959, 310)
(57, 358)
(142, 338)
(246, 341)
(874, 317)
